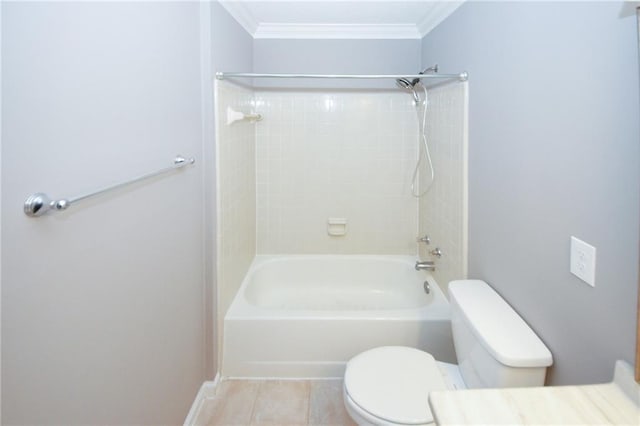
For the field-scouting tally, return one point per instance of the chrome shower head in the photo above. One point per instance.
(404, 83)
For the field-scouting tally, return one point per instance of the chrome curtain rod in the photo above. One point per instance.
(463, 76)
(39, 203)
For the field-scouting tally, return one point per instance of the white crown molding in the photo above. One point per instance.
(242, 14)
(438, 13)
(337, 31)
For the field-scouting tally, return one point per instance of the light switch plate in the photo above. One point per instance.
(583, 261)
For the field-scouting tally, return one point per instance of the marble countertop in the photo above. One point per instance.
(615, 403)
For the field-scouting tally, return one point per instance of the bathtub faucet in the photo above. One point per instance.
(425, 266)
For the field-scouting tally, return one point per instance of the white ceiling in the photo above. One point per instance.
(350, 19)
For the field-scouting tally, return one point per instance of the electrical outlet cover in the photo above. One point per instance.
(583, 261)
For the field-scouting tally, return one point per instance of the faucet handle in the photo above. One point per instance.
(424, 239)
(436, 252)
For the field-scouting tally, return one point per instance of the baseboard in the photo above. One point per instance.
(207, 390)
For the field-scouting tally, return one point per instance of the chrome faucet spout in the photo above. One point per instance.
(427, 265)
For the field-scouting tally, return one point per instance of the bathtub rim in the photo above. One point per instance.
(241, 308)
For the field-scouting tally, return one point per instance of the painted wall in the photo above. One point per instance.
(553, 152)
(102, 314)
(233, 46)
(334, 57)
(208, 165)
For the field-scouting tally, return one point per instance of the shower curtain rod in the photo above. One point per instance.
(463, 76)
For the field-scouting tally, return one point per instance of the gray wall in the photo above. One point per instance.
(334, 57)
(233, 46)
(102, 314)
(553, 153)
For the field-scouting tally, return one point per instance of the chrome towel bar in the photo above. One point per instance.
(39, 203)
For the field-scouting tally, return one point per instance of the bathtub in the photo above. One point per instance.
(306, 316)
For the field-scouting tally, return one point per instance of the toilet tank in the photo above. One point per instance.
(494, 346)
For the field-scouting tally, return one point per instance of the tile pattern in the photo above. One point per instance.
(345, 154)
(235, 165)
(277, 403)
(443, 210)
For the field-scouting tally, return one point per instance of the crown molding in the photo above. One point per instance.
(438, 13)
(337, 31)
(242, 14)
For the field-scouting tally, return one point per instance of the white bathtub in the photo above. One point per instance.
(306, 316)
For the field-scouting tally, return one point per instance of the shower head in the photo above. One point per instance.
(404, 83)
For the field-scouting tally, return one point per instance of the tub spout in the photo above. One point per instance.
(425, 266)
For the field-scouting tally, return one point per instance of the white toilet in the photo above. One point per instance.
(495, 348)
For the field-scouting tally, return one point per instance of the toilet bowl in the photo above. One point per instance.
(390, 385)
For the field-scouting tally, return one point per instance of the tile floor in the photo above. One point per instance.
(276, 403)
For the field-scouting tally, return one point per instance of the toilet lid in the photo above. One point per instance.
(393, 383)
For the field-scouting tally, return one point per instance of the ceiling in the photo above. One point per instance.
(334, 19)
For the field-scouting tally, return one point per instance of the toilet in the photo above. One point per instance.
(494, 347)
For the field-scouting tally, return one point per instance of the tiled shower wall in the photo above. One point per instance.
(443, 210)
(236, 192)
(342, 154)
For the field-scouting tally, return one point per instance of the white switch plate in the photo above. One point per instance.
(583, 261)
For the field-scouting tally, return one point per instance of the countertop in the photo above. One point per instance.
(614, 403)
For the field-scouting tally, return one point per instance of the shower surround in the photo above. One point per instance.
(443, 210)
(236, 197)
(347, 154)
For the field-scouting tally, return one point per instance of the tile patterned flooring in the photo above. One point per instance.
(276, 403)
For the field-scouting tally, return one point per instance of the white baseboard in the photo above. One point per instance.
(207, 390)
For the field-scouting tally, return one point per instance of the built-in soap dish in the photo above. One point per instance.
(337, 226)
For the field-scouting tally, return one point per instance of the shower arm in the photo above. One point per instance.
(432, 69)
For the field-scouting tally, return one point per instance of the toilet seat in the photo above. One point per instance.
(391, 385)
(364, 418)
